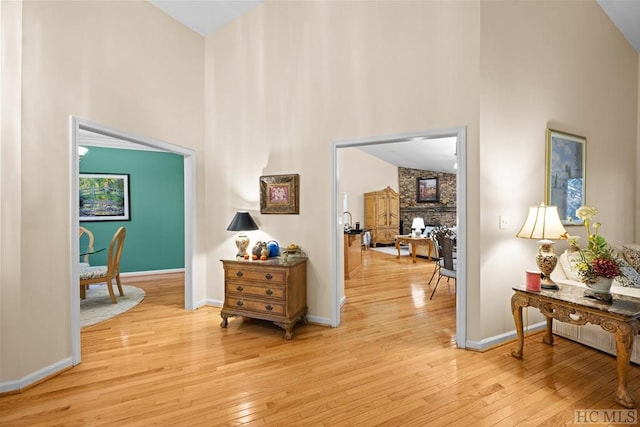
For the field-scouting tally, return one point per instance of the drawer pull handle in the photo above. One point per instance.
(269, 308)
(239, 288)
(239, 274)
(269, 292)
(239, 303)
(268, 276)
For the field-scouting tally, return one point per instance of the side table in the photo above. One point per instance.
(414, 241)
(569, 304)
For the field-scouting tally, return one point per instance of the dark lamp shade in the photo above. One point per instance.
(242, 221)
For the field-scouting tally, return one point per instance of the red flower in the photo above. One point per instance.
(605, 267)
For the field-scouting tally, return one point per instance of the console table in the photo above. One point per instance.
(569, 304)
(273, 290)
(415, 241)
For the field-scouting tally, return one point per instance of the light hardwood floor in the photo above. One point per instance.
(392, 362)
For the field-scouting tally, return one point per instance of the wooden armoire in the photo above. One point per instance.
(382, 215)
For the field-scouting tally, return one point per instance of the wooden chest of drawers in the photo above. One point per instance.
(273, 290)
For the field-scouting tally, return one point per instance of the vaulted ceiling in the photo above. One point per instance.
(204, 17)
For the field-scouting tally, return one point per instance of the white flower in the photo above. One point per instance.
(585, 213)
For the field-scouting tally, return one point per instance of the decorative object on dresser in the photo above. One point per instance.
(382, 215)
(242, 222)
(566, 169)
(280, 194)
(274, 248)
(274, 290)
(543, 224)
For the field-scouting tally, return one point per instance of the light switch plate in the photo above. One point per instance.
(504, 222)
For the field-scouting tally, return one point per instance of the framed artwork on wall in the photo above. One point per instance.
(427, 190)
(565, 185)
(104, 197)
(280, 194)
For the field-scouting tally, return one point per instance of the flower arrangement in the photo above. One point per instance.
(597, 259)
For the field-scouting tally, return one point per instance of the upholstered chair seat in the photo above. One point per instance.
(93, 272)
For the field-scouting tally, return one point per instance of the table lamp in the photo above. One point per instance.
(544, 225)
(241, 222)
(417, 226)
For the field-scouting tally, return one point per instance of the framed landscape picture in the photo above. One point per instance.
(280, 194)
(428, 190)
(104, 197)
(565, 185)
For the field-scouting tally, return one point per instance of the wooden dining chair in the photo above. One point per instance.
(447, 264)
(106, 273)
(83, 231)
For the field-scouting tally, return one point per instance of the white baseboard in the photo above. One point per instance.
(496, 340)
(152, 272)
(212, 303)
(35, 377)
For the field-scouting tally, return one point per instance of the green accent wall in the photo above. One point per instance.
(155, 233)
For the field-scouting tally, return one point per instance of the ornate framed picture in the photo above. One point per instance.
(280, 194)
(427, 190)
(104, 197)
(565, 174)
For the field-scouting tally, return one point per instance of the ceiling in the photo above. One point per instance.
(205, 16)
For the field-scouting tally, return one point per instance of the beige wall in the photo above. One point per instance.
(123, 64)
(281, 85)
(298, 76)
(289, 79)
(10, 156)
(359, 173)
(562, 65)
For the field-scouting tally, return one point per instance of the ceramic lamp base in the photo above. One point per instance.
(547, 260)
(242, 243)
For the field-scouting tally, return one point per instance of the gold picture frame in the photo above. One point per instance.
(565, 185)
(280, 194)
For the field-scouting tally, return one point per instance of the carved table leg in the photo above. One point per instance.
(516, 309)
(288, 328)
(548, 337)
(398, 248)
(624, 340)
(224, 322)
(288, 333)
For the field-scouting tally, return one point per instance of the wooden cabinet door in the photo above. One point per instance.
(393, 210)
(382, 217)
(369, 211)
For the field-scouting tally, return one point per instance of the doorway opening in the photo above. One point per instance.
(459, 133)
(77, 126)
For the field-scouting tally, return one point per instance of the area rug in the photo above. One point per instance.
(97, 306)
(391, 250)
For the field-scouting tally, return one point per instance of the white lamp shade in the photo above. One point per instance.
(418, 223)
(543, 223)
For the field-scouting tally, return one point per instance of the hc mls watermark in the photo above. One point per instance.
(610, 416)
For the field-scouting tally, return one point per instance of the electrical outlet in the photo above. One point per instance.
(504, 222)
